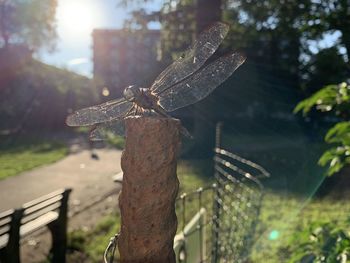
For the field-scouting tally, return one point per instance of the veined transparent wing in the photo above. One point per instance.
(205, 46)
(103, 130)
(200, 84)
(100, 113)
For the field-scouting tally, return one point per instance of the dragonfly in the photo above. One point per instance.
(186, 81)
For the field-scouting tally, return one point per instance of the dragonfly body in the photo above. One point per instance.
(143, 99)
(187, 80)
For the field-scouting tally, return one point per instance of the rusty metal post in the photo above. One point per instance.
(149, 190)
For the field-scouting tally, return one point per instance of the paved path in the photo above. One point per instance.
(88, 177)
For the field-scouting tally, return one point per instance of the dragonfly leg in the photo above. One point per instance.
(138, 110)
(159, 109)
(129, 112)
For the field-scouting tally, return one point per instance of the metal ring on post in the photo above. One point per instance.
(111, 245)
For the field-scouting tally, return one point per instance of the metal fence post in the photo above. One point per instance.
(216, 204)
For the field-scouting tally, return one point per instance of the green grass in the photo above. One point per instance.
(25, 155)
(193, 174)
(92, 244)
(282, 216)
(116, 141)
(111, 139)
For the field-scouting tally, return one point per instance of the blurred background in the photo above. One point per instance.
(57, 56)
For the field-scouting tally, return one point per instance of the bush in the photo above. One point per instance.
(321, 243)
(334, 99)
(36, 96)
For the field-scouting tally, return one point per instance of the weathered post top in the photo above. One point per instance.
(149, 190)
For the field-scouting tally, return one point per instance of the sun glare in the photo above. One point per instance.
(76, 18)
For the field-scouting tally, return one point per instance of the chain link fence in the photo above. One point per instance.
(218, 222)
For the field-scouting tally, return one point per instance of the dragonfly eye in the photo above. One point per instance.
(129, 93)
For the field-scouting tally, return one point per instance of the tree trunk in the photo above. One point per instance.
(208, 12)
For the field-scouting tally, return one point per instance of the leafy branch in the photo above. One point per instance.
(322, 243)
(334, 99)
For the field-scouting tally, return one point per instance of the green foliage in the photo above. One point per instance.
(39, 96)
(319, 72)
(29, 23)
(174, 20)
(339, 134)
(108, 134)
(26, 155)
(334, 99)
(273, 33)
(266, 28)
(321, 243)
(335, 159)
(93, 243)
(63, 82)
(327, 16)
(116, 141)
(285, 58)
(287, 222)
(339, 156)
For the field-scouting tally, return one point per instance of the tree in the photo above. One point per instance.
(272, 32)
(262, 38)
(28, 22)
(283, 43)
(180, 22)
(328, 16)
(269, 33)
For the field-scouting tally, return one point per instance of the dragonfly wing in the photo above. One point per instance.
(205, 46)
(103, 130)
(200, 84)
(100, 113)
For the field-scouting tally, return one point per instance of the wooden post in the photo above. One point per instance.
(149, 190)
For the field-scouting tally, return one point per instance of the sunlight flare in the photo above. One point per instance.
(77, 18)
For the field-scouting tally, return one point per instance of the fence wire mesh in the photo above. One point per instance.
(232, 207)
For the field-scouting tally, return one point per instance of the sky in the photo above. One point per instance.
(75, 21)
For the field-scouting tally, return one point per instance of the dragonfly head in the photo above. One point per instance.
(130, 93)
